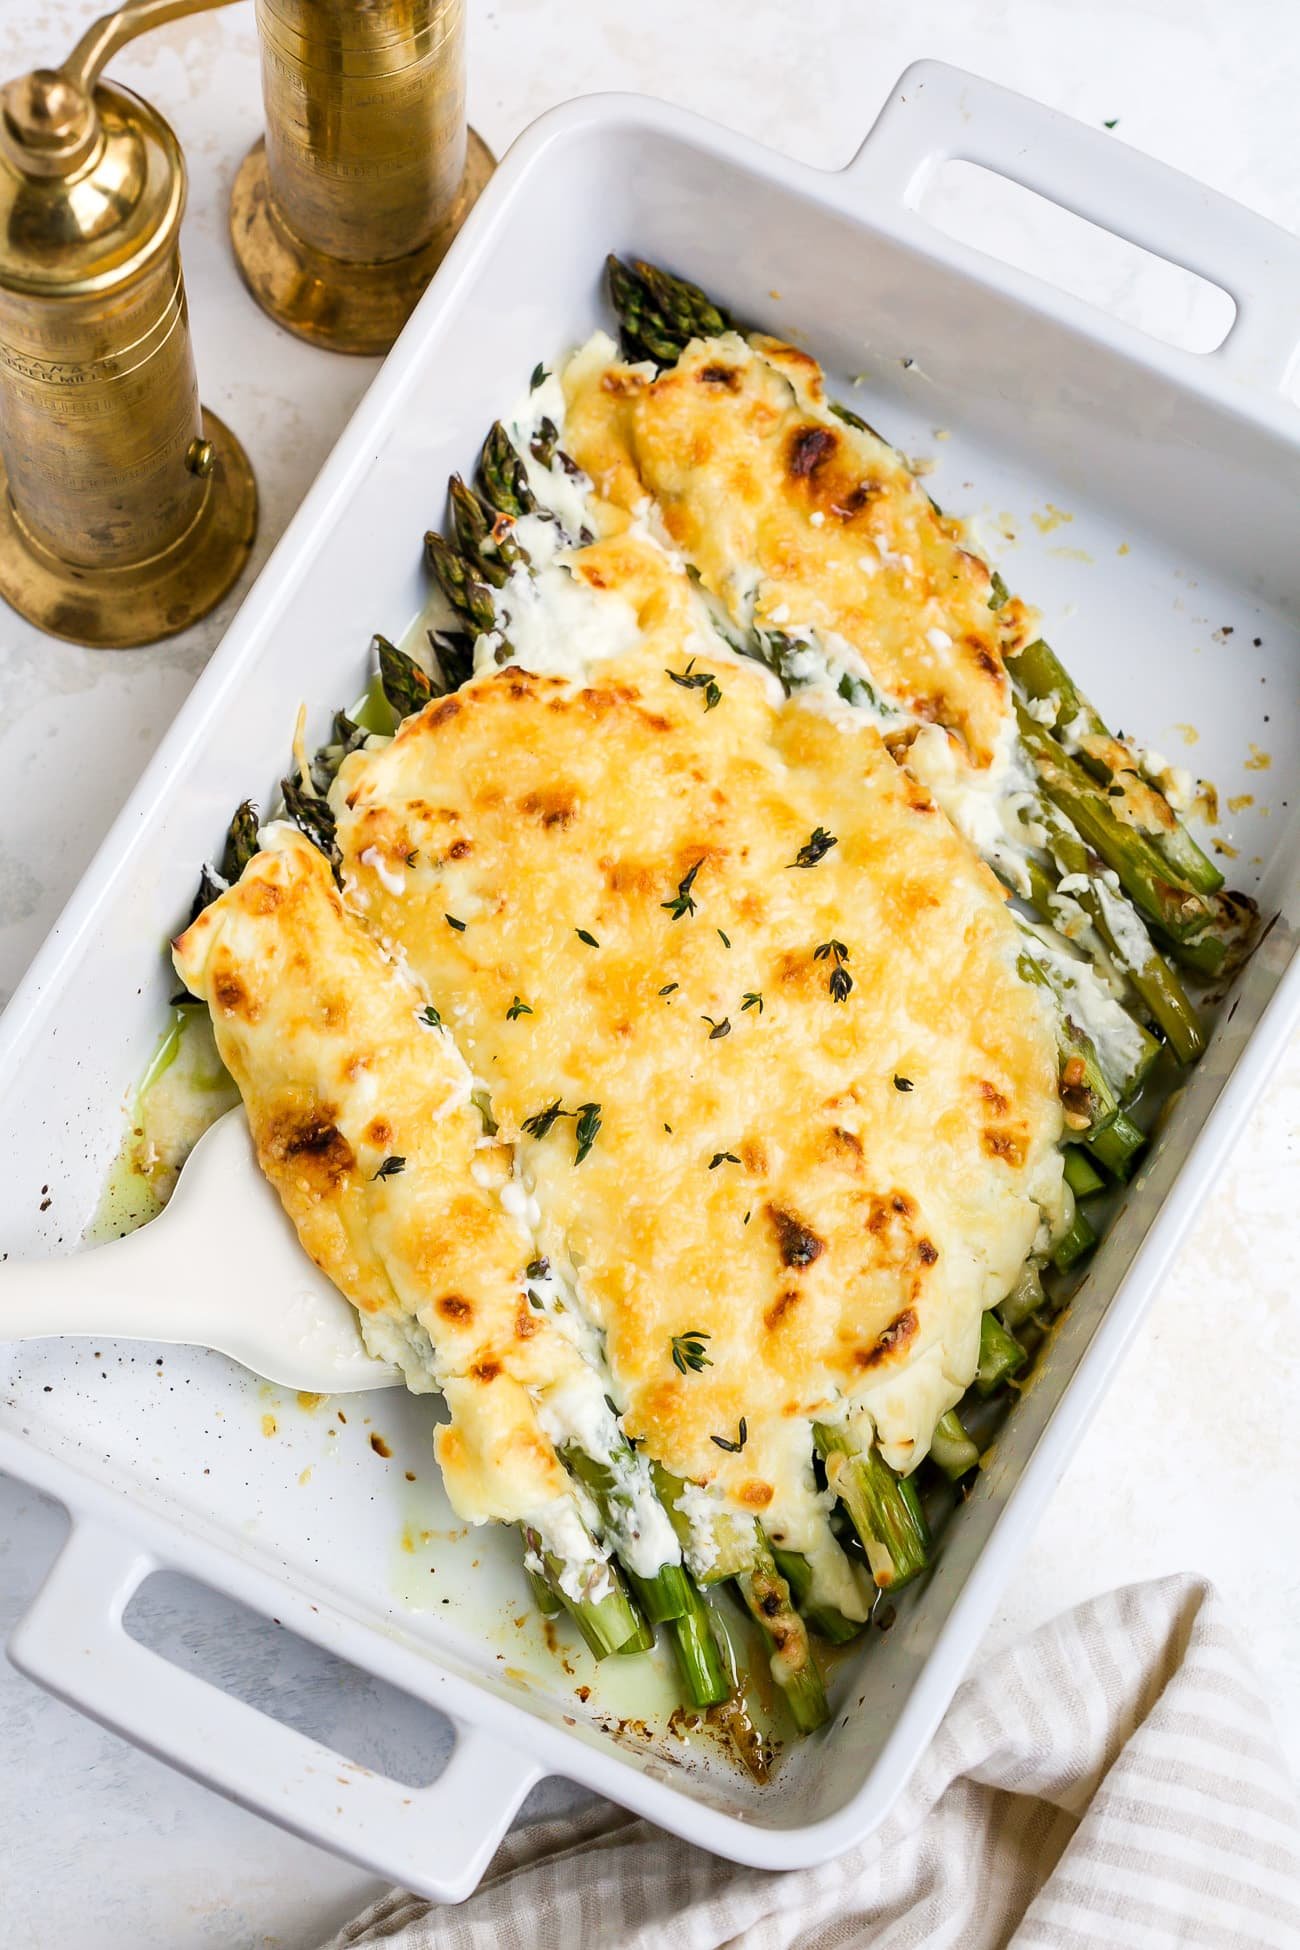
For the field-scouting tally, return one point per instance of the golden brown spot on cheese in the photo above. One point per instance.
(927, 1252)
(485, 1370)
(379, 1131)
(229, 993)
(445, 710)
(808, 449)
(796, 1242)
(526, 1323)
(622, 384)
(780, 1307)
(1004, 1144)
(310, 1140)
(454, 1306)
(551, 806)
(994, 1098)
(898, 1333)
(460, 849)
(753, 1155)
(756, 1496)
(717, 375)
(264, 896)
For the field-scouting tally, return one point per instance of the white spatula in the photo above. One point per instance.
(219, 1267)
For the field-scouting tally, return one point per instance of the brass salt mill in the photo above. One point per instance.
(343, 212)
(126, 510)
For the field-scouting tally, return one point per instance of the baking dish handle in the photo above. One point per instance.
(938, 114)
(437, 1840)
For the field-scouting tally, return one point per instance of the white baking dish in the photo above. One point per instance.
(1191, 461)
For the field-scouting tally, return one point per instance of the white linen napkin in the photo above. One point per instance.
(1111, 1783)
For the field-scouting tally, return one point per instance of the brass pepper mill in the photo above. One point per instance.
(343, 212)
(126, 510)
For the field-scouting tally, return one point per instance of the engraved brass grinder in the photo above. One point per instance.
(342, 214)
(126, 511)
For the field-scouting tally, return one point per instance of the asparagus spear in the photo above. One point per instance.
(951, 1448)
(1040, 674)
(659, 314)
(313, 817)
(1121, 929)
(1001, 1355)
(407, 686)
(699, 1655)
(1088, 1096)
(826, 1620)
(1025, 1298)
(483, 537)
(665, 1595)
(732, 1535)
(1116, 1148)
(502, 476)
(885, 1508)
(607, 1623)
(1080, 1176)
(767, 1597)
(1183, 915)
(468, 595)
(1078, 1239)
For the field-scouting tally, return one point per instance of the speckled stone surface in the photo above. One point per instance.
(1190, 1463)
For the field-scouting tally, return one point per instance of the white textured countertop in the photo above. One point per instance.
(1190, 1463)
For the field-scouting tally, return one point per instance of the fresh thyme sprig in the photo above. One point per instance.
(518, 1008)
(753, 1000)
(430, 1016)
(688, 1351)
(588, 1116)
(691, 679)
(723, 1158)
(733, 1448)
(717, 1029)
(539, 1124)
(841, 981)
(814, 849)
(683, 901)
(586, 1127)
(390, 1168)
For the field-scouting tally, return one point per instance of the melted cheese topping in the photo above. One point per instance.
(323, 1034)
(799, 523)
(760, 1175)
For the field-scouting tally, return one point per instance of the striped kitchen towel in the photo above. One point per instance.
(1111, 1783)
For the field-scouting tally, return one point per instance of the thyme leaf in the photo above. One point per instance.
(841, 982)
(733, 1448)
(717, 1029)
(430, 1016)
(588, 1116)
(723, 1158)
(541, 1121)
(452, 922)
(692, 679)
(584, 935)
(815, 848)
(517, 1008)
(753, 1000)
(689, 1356)
(390, 1168)
(902, 1083)
(668, 988)
(683, 901)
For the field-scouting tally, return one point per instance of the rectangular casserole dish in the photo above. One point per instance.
(1180, 473)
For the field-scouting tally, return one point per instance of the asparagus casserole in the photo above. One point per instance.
(688, 1008)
